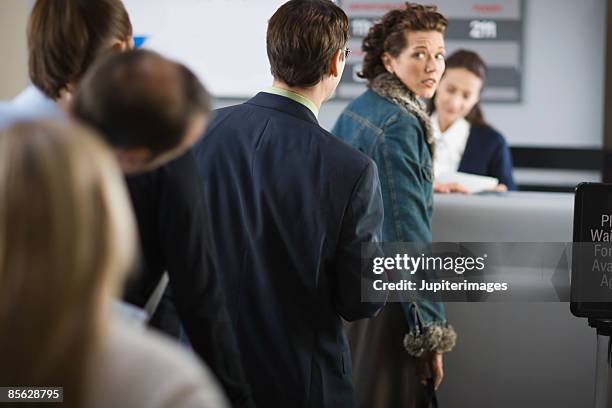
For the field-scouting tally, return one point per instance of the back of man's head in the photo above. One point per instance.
(139, 99)
(302, 38)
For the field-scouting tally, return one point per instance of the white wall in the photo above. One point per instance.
(563, 86)
(13, 49)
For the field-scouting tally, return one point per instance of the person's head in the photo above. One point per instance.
(458, 95)
(148, 108)
(409, 43)
(67, 238)
(66, 36)
(306, 43)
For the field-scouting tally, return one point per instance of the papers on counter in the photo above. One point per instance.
(473, 182)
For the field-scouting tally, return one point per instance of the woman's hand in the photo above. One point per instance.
(446, 188)
(501, 188)
(430, 365)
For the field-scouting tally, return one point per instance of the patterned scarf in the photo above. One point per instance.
(391, 88)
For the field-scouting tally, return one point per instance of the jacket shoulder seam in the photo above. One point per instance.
(399, 116)
(363, 121)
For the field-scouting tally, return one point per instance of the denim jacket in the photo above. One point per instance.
(394, 138)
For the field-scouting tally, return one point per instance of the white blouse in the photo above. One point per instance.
(450, 145)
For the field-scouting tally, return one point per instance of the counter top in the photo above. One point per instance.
(505, 217)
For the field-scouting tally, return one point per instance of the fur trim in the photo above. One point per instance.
(438, 338)
(391, 88)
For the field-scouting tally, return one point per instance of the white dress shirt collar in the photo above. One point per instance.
(450, 144)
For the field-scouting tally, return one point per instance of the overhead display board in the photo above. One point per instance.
(224, 41)
(494, 29)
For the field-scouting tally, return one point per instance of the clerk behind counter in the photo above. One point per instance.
(465, 142)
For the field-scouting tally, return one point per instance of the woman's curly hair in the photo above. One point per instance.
(388, 35)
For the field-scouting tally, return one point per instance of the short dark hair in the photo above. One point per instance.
(66, 36)
(140, 99)
(302, 38)
(389, 35)
(472, 62)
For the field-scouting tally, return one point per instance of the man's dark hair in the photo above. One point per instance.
(140, 99)
(66, 36)
(302, 38)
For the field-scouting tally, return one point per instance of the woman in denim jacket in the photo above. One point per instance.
(404, 60)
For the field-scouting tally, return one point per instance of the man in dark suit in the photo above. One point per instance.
(289, 207)
(151, 111)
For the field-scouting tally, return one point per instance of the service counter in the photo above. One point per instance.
(514, 354)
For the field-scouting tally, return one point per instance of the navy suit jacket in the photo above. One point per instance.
(290, 206)
(487, 154)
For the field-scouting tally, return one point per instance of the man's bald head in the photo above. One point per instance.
(140, 99)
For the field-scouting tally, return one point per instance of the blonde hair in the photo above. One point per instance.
(67, 238)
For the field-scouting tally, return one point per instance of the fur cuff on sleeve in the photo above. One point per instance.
(438, 338)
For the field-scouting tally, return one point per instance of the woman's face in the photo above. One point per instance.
(421, 63)
(457, 94)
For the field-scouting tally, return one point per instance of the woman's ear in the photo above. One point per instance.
(122, 45)
(386, 60)
(65, 97)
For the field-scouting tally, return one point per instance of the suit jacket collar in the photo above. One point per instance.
(283, 104)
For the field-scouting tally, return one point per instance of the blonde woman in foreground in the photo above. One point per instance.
(67, 239)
